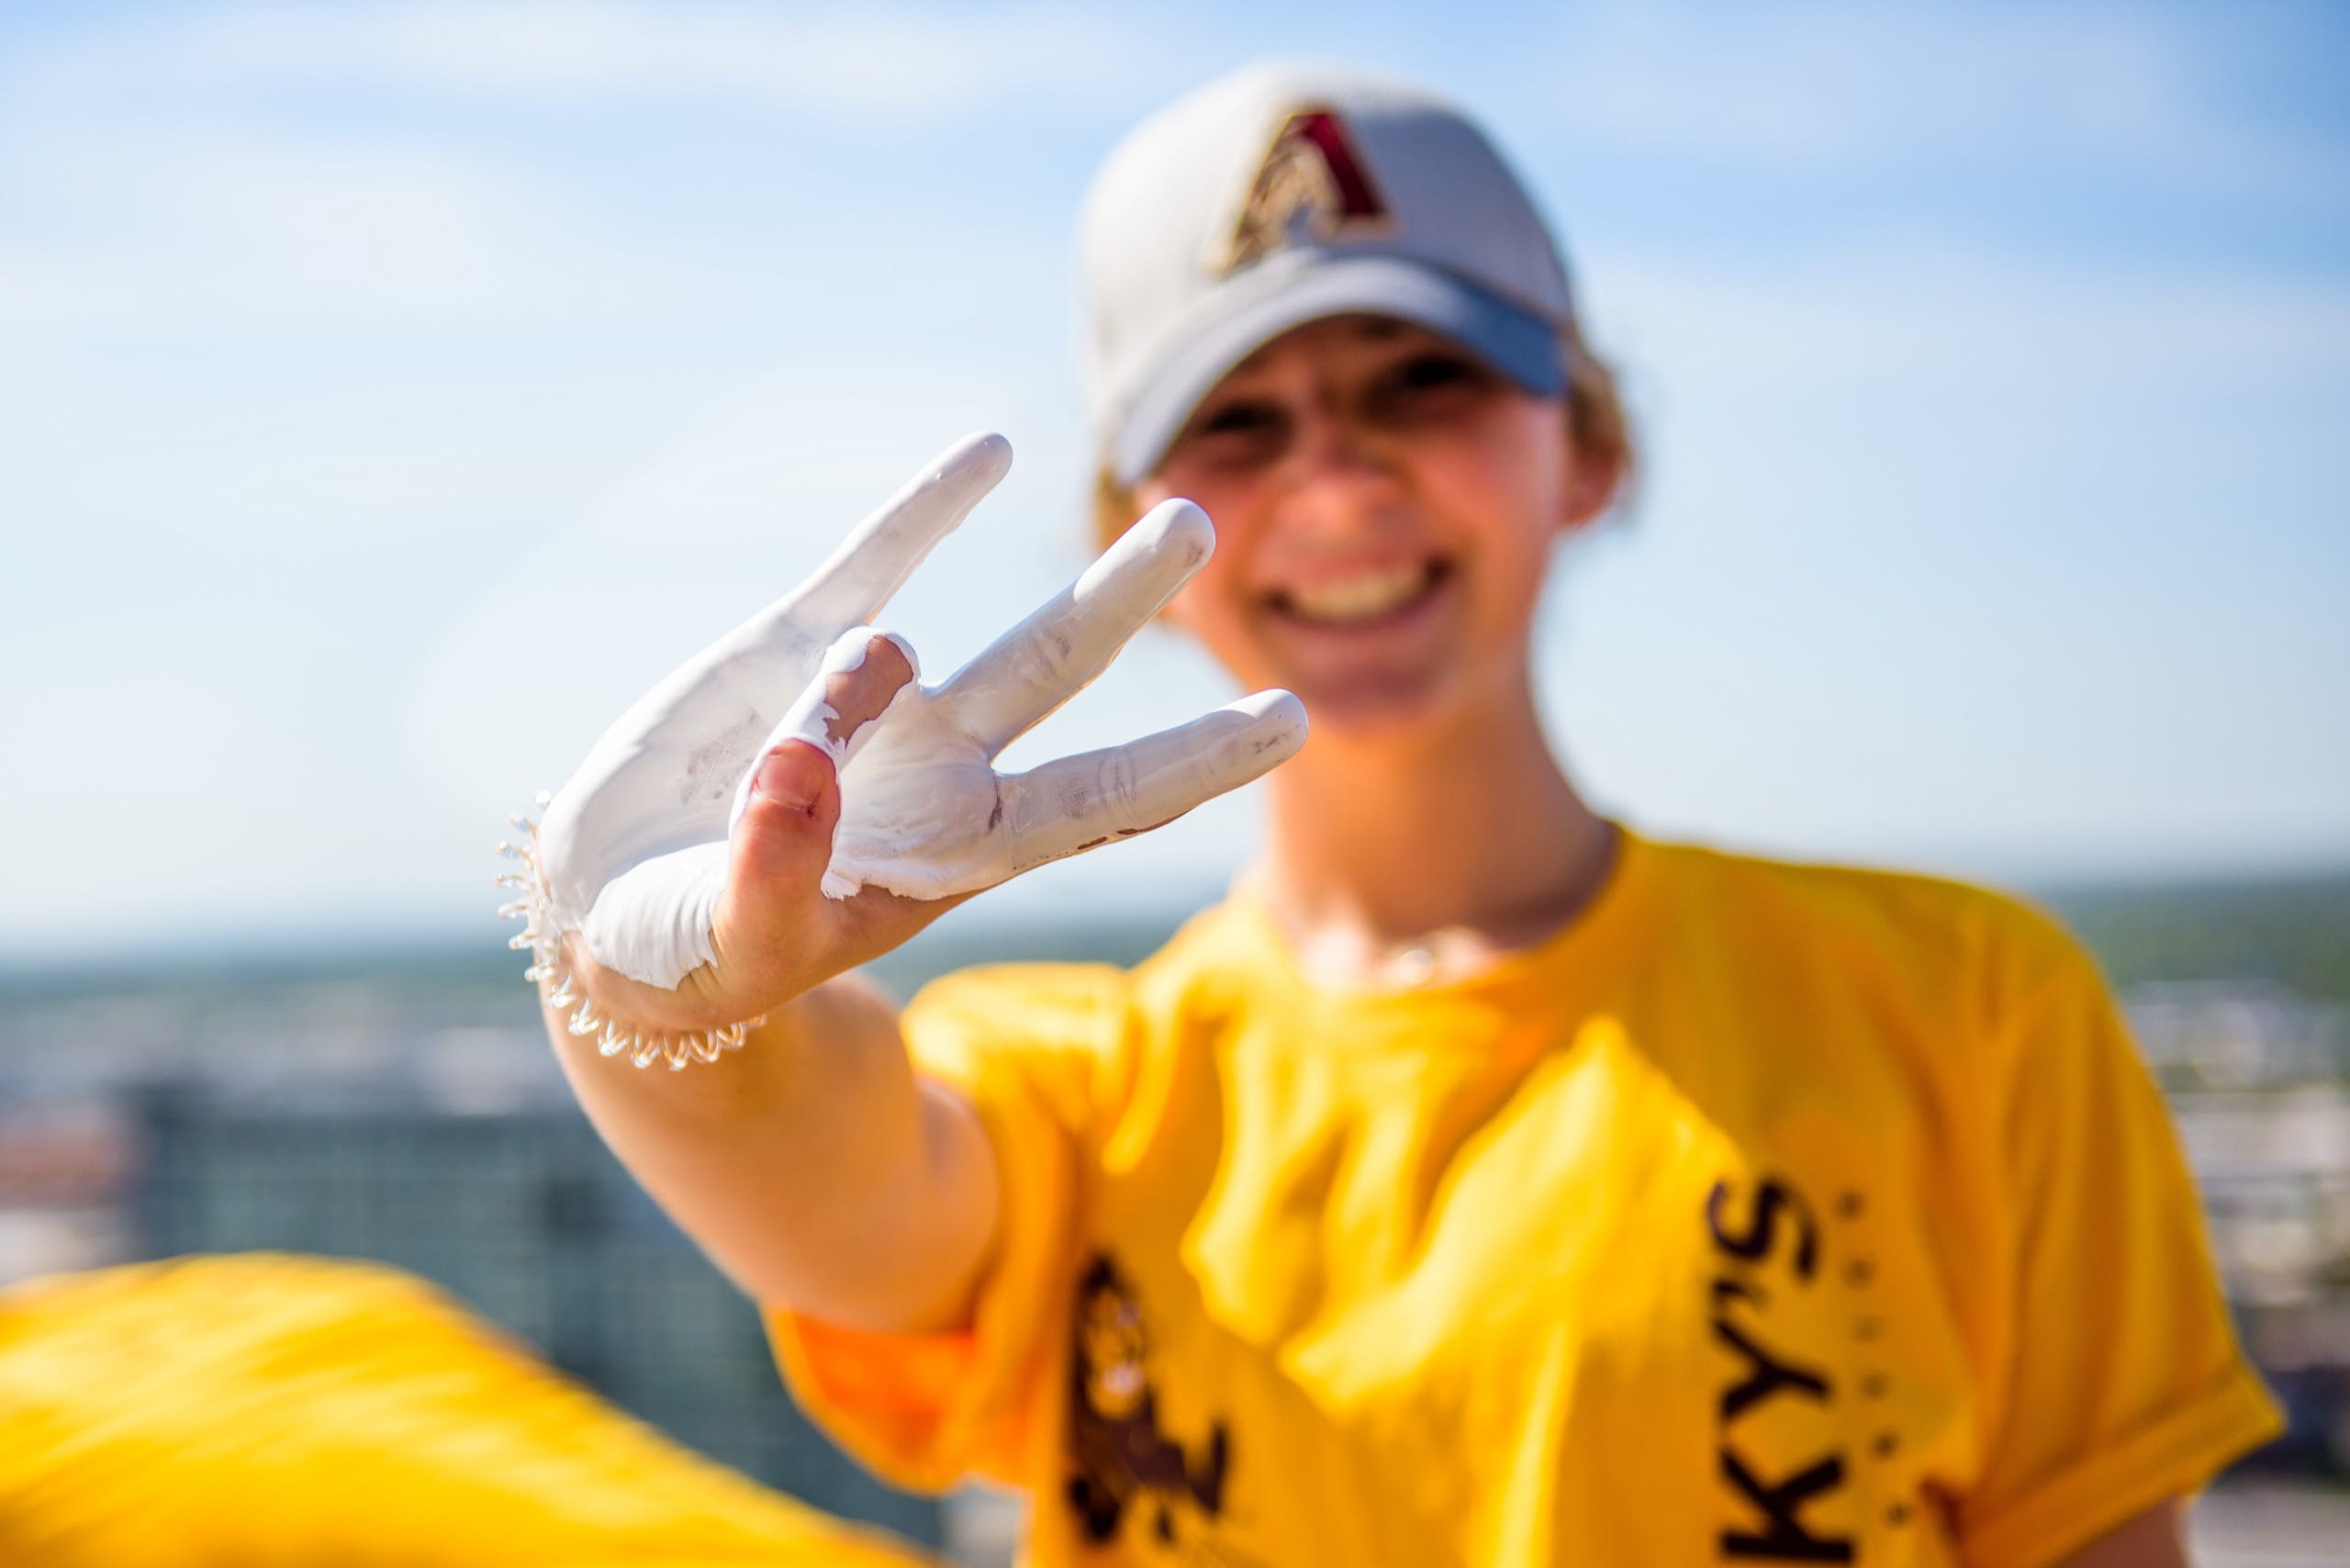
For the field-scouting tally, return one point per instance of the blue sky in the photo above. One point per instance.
(389, 392)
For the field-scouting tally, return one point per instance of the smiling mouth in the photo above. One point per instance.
(1363, 599)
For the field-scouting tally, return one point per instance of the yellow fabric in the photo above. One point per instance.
(267, 1410)
(1769, 1214)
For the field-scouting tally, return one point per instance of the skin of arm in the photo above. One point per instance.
(2153, 1539)
(812, 1165)
(816, 1170)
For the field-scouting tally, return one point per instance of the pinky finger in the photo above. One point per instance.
(1078, 802)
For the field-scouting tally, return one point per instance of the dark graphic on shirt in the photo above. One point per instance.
(1767, 1241)
(1123, 1459)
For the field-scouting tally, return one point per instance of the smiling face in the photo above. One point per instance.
(1385, 506)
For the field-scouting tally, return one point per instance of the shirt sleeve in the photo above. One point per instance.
(2121, 1385)
(1032, 1047)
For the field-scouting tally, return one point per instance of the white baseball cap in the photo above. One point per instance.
(1285, 194)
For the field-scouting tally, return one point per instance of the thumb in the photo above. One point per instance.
(790, 801)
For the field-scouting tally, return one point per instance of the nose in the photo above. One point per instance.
(1335, 475)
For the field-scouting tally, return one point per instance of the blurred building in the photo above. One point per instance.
(2259, 1080)
(409, 1111)
(453, 1152)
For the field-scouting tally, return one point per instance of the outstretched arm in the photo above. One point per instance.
(816, 1170)
(692, 890)
(812, 1165)
(2153, 1539)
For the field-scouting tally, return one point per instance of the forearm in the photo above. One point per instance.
(812, 1165)
(2153, 1539)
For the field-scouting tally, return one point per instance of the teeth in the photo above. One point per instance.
(1359, 597)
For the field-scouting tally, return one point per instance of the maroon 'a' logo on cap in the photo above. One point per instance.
(1312, 187)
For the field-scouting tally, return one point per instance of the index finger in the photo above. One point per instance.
(882, 551)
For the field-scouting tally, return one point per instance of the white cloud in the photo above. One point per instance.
(223, 230)
(1832, 82)
(1887, 315)
(1816, 86)
(856, 63)
(1804, 83)
(175, 225)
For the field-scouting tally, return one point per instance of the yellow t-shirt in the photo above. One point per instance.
(1768, 1213)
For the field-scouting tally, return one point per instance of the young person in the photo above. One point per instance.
(1482, 1181)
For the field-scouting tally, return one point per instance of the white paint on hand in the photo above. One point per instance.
(635, 847)
(925, 812)
(814, 720)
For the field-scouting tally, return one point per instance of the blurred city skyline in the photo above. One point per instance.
(389, 392)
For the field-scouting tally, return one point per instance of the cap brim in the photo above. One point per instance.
(1291, 290)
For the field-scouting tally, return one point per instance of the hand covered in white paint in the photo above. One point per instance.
(791, 801)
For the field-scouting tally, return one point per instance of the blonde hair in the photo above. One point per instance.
(1597, 427)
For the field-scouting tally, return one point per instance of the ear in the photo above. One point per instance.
(1593, 481)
